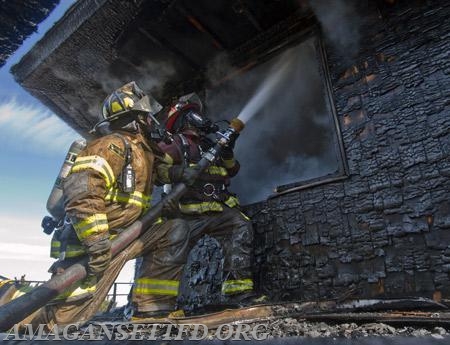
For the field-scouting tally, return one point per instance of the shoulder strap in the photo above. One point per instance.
(127, 179)
(184, 149)
(126, 144)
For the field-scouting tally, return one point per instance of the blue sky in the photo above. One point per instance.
(33, 145)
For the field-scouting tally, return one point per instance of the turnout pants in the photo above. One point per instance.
(81, 311)
(156, 286)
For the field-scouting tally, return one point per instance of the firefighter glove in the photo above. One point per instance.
(188, 175)
(99, 253)
(59, 266)
(170, 208)
(227, 152)
(233, 138)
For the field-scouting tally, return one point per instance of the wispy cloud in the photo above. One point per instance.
(24, 248)
(18, 258)
(24, 228)
(34, 125)
(24, 252)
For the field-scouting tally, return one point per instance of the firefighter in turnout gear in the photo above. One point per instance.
(208, 207)
(107, 189)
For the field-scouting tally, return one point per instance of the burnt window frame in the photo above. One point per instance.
(343, 170)
(262, 52)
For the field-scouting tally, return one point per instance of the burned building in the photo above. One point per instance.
(348, 162)
(18, 21)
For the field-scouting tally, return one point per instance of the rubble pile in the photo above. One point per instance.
(287, 327)
(291, 327)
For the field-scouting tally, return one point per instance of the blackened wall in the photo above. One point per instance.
(384, 231)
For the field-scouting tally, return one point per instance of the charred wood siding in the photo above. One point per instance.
(18, 20)
(384, 231)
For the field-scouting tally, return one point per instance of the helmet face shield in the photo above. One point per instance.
(192, 98)
(148, 104)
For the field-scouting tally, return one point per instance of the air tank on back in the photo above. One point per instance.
(55, 202)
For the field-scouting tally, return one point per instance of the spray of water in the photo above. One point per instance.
(290, 134)
(276, 75)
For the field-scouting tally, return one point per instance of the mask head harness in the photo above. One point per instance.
(187, 113)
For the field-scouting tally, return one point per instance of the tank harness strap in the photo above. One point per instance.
(185, 149)
(127, 177)
(127, 146)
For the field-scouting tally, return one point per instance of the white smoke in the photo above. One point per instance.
(291, 137)
(340, 22)
(218, 68)
(150, 76)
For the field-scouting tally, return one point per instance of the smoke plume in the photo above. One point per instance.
(149, 75)
(340, 23)
(291, 137)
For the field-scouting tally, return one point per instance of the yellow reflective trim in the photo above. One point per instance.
(147, 286)
(95, 224)
(213, 170)
(86, 286)
(4, 282)
(21, 291)
(142, 291)
(72, 250)
(231, 202)
(158, 221)
(245, 216)
(157, 282)
(168, 159)
(229, 163)
(207, 206)
(136, 198)
(98, 164)
(235, 286)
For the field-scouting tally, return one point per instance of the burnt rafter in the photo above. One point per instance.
(162, 42)
(201, 27)
(240, 8)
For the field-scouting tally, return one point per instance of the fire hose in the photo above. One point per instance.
(19, 308)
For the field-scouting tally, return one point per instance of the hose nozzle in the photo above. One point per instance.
(237, 125)
(230, 135)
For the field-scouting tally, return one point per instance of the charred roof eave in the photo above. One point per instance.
(18, 20)
(76, 15)
(97, 45)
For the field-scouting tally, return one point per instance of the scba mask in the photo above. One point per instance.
(193, 119)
